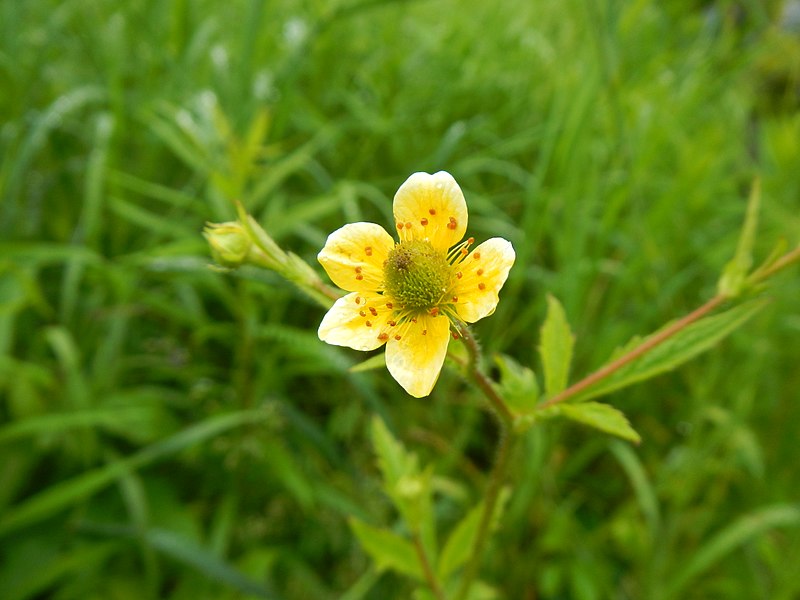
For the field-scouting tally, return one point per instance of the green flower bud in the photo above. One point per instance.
(229, 242)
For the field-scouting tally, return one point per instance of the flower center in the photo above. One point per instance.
(416, 275)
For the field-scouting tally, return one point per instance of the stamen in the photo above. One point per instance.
(464, 252)
(389, 305)
(481, 286)
(455, 299)
(455, 335)
(392, 323)
(414, 319)
(470, 241)
(434, 312)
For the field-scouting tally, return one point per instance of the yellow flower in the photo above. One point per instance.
(405, 294)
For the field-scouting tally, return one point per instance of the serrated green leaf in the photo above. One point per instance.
(684, 345)
(603, 417)
(387, 549)
(518, 385)
(734, 276)
(393, 460)
(459, 545)
(555, 347)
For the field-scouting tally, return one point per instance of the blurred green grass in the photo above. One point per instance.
(171, 432)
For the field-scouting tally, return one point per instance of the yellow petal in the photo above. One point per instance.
(483, 273)
(431, 207)
(416, 359)
(358, 320)
(354, 255)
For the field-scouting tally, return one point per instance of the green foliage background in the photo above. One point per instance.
(167, 431)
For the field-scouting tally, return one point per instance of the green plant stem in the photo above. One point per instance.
(430, 576)
(784, 261)
(641, 349)
(481, 379)
(496, 477)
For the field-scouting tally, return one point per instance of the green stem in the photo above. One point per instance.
(430, 576)
(496, 478)
(641, 349)
(481, 379)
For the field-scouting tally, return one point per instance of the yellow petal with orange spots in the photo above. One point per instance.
(354, 255)
(431, 207)
(415, 353)
(484, 272)
(358, 320)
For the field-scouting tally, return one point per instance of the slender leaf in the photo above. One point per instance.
(555, 347)
(683, 346)
(387, 549)
(61, 495)
(603, 417)
(736, 534)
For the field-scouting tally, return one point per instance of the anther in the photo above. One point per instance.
(368, 250)
(373, 311)
(455, 298)
(470, 241)
(432, 211)
(453, 223)
(362, 313)
(455, 335)
(383, 337)
(464, 252)
(479, 272)
(481, 286)
(434, 311)
(392, 323)
(389, 305)
(414, 320)
(423, 222)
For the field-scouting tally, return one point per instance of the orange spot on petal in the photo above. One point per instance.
(373, 311)
(362, 313)
(389, 305)
(368, 250)
(368, 323)
(476, 255)
(359, 277)
(383, 337)
(481, 286)
(432, 211)
(479, 272)
(423, 222)
(424, 332)
(408, 225)
(434, 311)
(397, 337)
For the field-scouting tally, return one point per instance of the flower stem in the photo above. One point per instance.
(641, 349)
(496, 477)
(430, 576)
(477, 374)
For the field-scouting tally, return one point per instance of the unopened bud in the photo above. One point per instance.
(230, 243)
